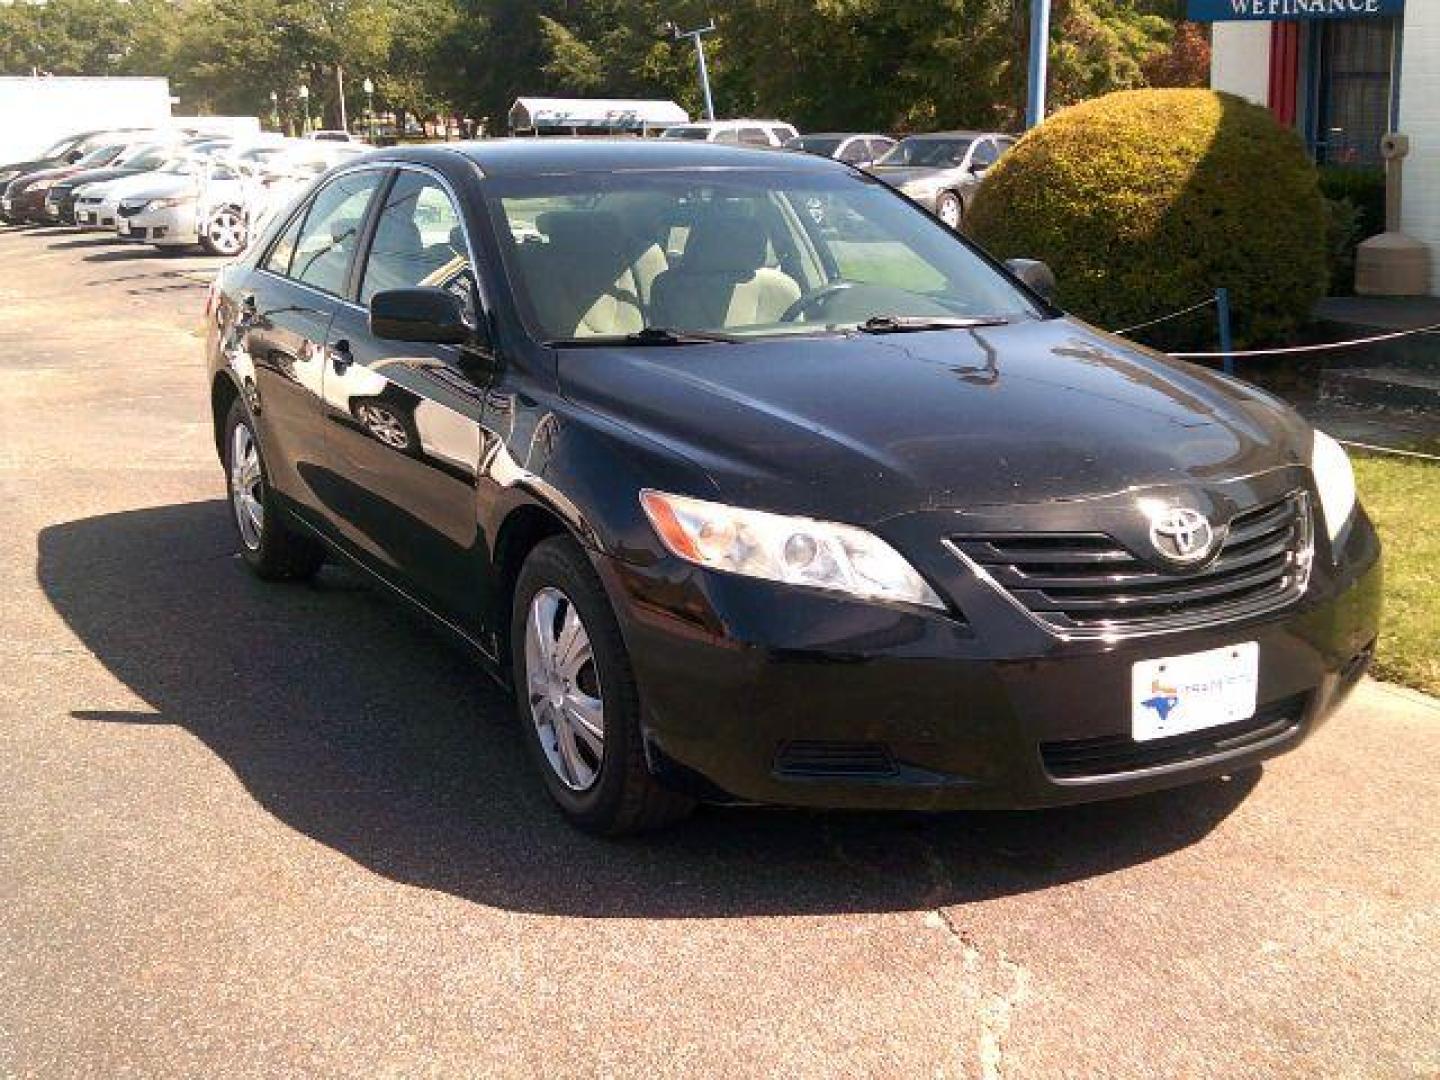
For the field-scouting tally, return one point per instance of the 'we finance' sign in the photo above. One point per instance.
(1228, 10)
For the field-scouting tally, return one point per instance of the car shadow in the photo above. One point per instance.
(85, 242)
(357, 725)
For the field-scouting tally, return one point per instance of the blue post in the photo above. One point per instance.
(704, 77)
(1222, 313)
(1039, 56)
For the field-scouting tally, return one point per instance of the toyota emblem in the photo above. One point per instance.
(1182, 535)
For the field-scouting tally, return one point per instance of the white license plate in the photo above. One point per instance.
(1178, 694)
(122, 227)
(82, 218)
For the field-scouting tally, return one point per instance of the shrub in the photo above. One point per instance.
(1145, 201)
(1365, 188)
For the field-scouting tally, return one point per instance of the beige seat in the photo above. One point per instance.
(586, 279)
(723, 280)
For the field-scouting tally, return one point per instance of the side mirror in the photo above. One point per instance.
(1038, 277)
(424, 314)
(74, 156)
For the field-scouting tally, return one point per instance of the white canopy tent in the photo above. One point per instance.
(542, 116)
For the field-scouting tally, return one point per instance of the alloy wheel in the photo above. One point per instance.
(247, 486)
(949, 211)
(563, 689)
(227, 233)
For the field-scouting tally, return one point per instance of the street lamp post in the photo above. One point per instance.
(698, 36)
(1039, 58)
(369, 88)
(340, 91)
(275, 109)
(304, 93)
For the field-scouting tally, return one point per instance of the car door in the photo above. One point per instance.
(286, 307)
(982, 155)
(403, 418)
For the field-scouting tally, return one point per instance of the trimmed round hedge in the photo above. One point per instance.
(1145, 201)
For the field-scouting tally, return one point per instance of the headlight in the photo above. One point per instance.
(166, 204)
(1335, 481)
(792, 550)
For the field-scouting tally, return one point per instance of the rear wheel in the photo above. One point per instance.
(577, 699)
(225, 232)
(949, 210)
(268, 543)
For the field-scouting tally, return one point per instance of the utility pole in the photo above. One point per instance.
(1039, 58)
(340, 89)
(698, 36)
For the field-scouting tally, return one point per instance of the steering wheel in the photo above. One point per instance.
(816, 299)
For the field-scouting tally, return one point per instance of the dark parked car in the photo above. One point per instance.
(60, 198)
(753, 504)
(942, 171)
(66, 151)
(853, 148)
(23, 199)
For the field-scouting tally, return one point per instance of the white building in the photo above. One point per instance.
(1343, 73)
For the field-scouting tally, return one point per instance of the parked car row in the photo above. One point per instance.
(940, 171)
(166, 188)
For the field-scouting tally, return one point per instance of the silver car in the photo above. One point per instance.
(941, 171)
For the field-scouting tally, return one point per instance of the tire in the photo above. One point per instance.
(609, 791)
(225, 233)
(269, 544)
(949, 209)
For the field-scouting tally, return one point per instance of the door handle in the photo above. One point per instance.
(340, 356)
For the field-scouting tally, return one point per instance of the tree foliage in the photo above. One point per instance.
(890, 65)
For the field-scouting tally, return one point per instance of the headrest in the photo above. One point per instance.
(457, 240)
(582, 230)
(725, 243)
(398, 234)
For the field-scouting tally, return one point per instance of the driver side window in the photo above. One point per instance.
(332, 225)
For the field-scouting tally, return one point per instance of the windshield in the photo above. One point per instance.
(686, 133)
(148, 158)
(61, 148)
(823, 145)
(742, 252)
(99, 156)
(927, 152)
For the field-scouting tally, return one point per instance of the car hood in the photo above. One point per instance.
(898, 175)
(20, 168)
(97, 176)
(27, 180)
(861, 427)
(155, 185)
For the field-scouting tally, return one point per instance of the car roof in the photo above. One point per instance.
(531, 156)
(960, 135)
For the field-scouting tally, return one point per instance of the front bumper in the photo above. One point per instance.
(756, 693)
(170, 227)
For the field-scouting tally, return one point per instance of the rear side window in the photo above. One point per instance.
(754, 136)
(332, 225)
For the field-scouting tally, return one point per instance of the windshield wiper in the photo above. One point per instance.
(903, 324)
(651, 335)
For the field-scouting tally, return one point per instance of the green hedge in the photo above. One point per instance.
(1145, 201)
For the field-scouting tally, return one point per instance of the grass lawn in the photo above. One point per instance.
(1403, 497)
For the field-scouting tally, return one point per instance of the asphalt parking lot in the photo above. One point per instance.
(258, 830)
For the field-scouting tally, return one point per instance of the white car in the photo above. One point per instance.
(97, 205)
(207, 208)
(745, 132)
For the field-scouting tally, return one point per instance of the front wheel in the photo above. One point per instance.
(949, 210)
(225, 233)
(578, 704)
(268, 543)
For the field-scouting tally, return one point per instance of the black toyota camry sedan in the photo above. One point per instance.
(758, 484)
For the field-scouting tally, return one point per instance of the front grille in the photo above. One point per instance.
(819, 760)
(1076, 759)
(1088, 582)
